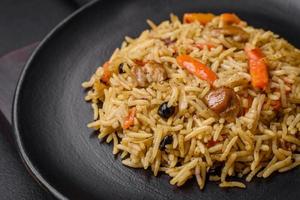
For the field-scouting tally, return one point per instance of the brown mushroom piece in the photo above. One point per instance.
(224, 102)
(150, 72)
(237, 33)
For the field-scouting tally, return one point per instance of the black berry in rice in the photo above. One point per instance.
(167, 140)
(216, 169)
(121, 69)
(164, 111)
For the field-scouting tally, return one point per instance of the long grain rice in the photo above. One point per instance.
(258, 142)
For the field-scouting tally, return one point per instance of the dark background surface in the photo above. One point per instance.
(22, 23)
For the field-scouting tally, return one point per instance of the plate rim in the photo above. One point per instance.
(30, 167)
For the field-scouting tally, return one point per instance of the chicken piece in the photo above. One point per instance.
(140, 76)
(151, 72)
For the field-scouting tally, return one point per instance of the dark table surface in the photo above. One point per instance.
(22, 23)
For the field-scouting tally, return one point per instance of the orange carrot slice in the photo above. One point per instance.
(258, 68)
(203, 45)
(197, 68)
(106, 73)
(129, 119)
(230, 18)
(202, 18)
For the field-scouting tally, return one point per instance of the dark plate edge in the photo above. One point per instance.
(15, 120)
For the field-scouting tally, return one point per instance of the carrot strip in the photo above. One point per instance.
(202, 18)
(211, 143)
(258, 68)
(197, 68)
(203, 45)
(276, 104)
(106, 73)
(230, 18)
(139, 62)
(129, 119)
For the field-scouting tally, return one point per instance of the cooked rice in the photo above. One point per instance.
(258, 143)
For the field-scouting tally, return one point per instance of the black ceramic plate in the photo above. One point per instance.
(50, 115)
